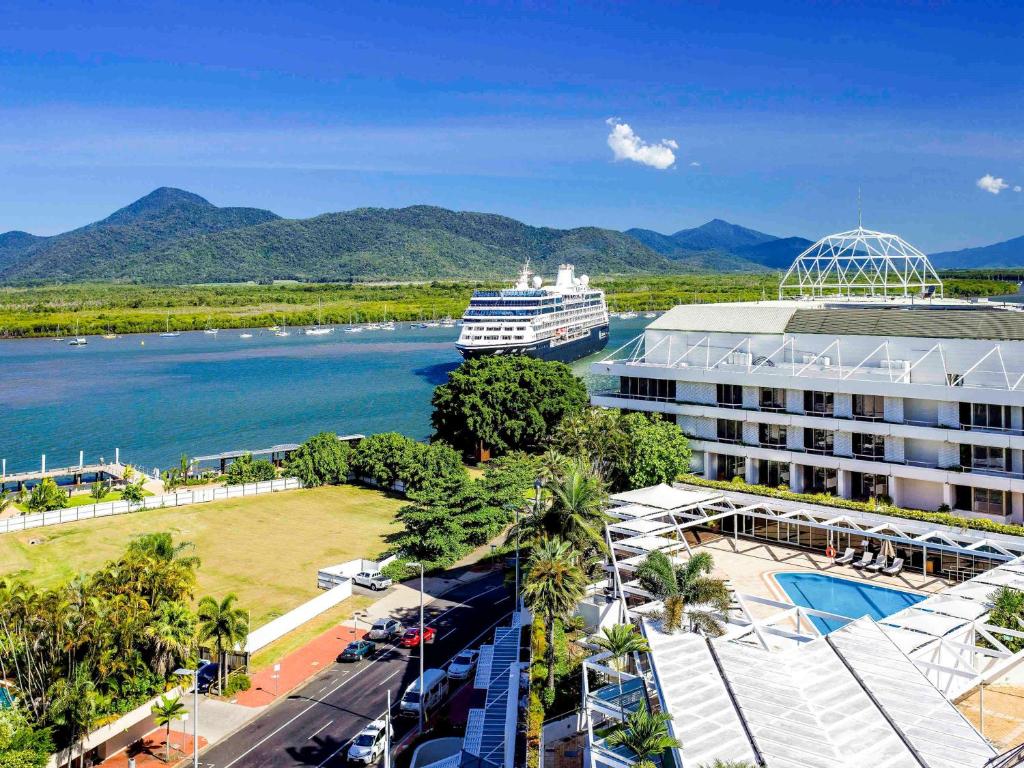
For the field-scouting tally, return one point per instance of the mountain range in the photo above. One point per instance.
(177, 237)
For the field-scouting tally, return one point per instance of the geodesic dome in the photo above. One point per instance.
(864, 262)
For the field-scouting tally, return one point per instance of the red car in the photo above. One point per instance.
(411, 638)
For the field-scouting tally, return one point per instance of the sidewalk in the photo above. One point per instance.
(153, 748)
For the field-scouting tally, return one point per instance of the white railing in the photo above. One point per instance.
(177, 499)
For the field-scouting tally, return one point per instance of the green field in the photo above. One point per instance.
(96, 308)
(266, 549)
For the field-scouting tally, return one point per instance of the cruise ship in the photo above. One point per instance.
(564, 321)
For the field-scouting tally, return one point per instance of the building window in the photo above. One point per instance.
(990, 502)
(772, 399)
(869, 486)
(647, 389)
(771, 435)
(984, 416)
(731, 466)
(819, 441)
(729, 395)
(869, 407)
(773, 473)
(819, 403)
(821, 480)
(982, 457)
(730, 431)
(871, 447)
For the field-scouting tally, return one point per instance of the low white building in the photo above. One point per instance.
(860, 381)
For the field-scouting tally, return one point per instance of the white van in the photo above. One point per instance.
(434, 691)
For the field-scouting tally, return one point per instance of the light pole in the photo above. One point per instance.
(195, 711)
(421, 702)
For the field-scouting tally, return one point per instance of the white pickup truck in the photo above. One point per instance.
(374, 580)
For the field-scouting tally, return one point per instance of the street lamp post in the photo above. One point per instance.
(420, 566)
(195, 711)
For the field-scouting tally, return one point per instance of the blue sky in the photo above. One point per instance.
(778, 112)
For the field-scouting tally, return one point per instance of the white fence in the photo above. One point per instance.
(177, 499)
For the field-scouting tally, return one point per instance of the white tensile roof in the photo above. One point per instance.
(665, 497)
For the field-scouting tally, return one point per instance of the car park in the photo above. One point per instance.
(369, 743)
(463, 664)
(385, 629)
(357, 650)
(411, 638)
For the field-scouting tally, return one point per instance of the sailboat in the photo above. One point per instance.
(168, 334)
(319, 329)
(245, 335)
(78, 341)
(354, 328)
(387, 325)
(282, 331)
(209, 329)
(58, 337)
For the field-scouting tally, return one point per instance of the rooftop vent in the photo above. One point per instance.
(861, 262)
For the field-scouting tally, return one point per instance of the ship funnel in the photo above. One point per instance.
(566, 276)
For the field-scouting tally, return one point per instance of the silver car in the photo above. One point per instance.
(463, 664)
(385, 629)
(369, 743)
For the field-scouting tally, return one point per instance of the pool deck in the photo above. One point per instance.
(750, 567)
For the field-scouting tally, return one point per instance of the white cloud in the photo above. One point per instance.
(1017, 188)
(992, 184)
(628, 146)
(694, 164)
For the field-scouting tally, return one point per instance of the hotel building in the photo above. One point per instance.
(860, 380)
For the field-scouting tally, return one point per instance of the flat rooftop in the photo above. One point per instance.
(926, 318)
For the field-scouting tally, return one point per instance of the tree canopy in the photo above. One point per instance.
(505, 403)
(246, 469)
(322, 460)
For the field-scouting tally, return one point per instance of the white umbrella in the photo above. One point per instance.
(888, 551)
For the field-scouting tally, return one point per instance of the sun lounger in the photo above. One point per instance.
(847, 557)
(878, 565)
(895, 568)
(865, 561)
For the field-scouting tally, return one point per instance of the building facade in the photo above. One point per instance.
(918, 400)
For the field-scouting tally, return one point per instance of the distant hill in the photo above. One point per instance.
(778, 253)
(173, 236)
(1009, 253)
(98, 250)
(722, 246)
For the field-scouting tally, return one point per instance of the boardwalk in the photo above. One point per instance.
(109, 470)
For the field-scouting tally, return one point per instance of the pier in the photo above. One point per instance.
(101, 470)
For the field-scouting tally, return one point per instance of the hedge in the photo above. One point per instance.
(824, 499)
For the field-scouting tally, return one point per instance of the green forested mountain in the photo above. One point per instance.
(172, 236)
(722, 246)
(98, 250)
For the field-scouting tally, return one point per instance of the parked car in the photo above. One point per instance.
(206, 675)
(385, 629)
(369, 743)
(374, 580)
(463, 664)
(411, 638)
(357, 650)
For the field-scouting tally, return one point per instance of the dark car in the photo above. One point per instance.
(357, 650)
(206, 675)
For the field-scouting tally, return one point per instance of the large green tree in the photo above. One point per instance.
(225, 625)
(553, 586)
(246, 469)
(505, 403)
(656, 451)
(322, 460)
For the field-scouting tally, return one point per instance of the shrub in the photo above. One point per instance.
(46, 496)
(236, 683)
(246, 469)
(321, 460)
(940, 517)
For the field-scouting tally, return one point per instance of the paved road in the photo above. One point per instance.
(313, 726)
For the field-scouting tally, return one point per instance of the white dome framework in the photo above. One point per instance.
(861, 262)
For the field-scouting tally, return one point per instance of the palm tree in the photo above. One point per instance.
(621, 640)
(553, 586)
(1008, 611)
(729, 764)
(644, 734)
(223, 623)
(172, 634)
(166, 711)
(574, 512)
(73, 706)
(686, 585)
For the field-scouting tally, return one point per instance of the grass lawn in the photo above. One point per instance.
(84, 499)
(266, 549)
(311, 630)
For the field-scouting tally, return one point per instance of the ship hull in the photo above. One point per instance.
(595, 341)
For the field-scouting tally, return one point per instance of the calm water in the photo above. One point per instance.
(157, 398)
(843, 597)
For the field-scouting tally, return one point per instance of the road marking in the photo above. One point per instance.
(506, 597)
(284, 725)
(317, 731)
(392, 675)
(442, 637)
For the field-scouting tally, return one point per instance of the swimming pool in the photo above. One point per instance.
(843, 597)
